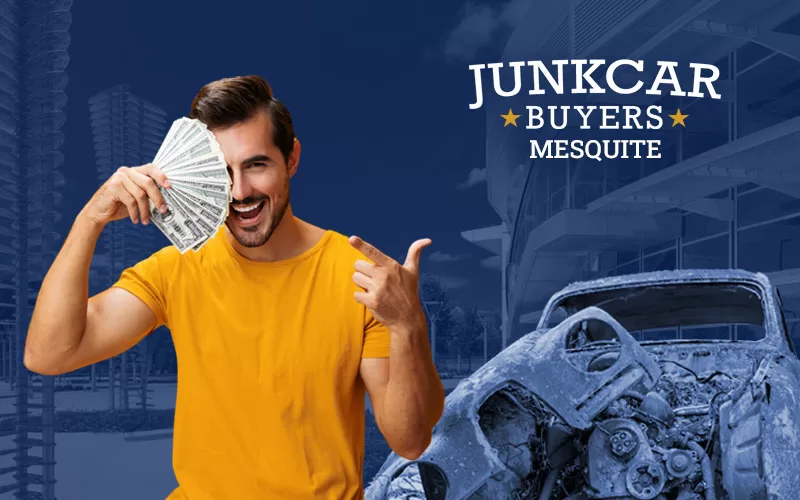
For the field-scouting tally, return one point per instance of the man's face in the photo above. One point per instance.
(260, 177)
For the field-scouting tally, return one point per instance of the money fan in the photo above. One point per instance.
(198, 200)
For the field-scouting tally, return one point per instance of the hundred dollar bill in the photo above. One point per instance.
(215, 160)
(220, 194)
(176, 239)
(206, 224)
(205, 206)
(177, 224)
(180, 231)
(213, 175)
(204, 198)
(178, 128)
(188, 219)
(196, 135)
(217, 186)
(196, 151)
(167, 141)
(205, 219)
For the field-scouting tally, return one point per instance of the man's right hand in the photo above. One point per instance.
(126, 194)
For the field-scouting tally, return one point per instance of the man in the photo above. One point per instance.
(279, 326)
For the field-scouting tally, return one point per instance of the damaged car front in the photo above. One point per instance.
(669, 385)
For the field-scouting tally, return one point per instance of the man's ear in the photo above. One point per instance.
(294, 157)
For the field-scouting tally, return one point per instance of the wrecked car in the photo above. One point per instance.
(667, 385)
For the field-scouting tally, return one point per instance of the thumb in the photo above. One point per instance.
(414, 252)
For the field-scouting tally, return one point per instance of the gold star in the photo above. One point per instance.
(510, 118)
(678, 118)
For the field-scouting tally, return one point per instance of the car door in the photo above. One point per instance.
(760, 434)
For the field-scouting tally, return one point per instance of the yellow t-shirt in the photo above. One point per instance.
(269, 400)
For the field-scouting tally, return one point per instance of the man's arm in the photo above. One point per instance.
(406, 392)
(67, 329)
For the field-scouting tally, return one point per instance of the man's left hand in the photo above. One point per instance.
(391, 290)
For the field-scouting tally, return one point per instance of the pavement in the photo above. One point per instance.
(122, 466)
(95, 466)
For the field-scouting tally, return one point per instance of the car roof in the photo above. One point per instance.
(667, 277)
(684, 276)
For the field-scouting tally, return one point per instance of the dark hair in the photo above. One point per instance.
(229, 101)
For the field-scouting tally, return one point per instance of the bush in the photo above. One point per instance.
(103, 421)
(70, 387)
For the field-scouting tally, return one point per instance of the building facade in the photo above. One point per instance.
(34, 42)
(725, 192)
(127, 131)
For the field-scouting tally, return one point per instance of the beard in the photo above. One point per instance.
(255, 236)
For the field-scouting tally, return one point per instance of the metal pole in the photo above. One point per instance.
(485, 345)
(433, 314)
(144, 374)
(22, 391)
(48, 438)
(484, 315)
(123, 381)
(3, 358)
(433, 341)
(111, 404)
(505, 243)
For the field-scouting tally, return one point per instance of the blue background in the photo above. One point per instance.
(379, 95)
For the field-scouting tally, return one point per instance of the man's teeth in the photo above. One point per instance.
(248, 208)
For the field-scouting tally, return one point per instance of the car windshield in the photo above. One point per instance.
(690, 311)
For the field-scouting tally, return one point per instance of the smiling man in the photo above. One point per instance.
(279, 325)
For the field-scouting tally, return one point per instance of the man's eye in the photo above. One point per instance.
(258, 164)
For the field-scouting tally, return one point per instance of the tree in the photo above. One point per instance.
(435, 297)
(494, 341)
(467, 334)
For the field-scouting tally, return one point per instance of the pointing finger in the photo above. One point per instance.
(370, 251)
(414, 252)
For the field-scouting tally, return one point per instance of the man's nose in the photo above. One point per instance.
(240, 189)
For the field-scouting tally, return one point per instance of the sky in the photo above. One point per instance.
(378, 93)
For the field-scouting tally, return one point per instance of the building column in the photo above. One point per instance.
(505, 244)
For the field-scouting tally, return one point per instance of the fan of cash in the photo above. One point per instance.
(198, 200)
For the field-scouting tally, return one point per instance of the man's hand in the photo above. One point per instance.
(391, 290)
(405, 390)
(126, 194)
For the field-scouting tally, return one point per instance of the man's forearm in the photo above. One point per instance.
(414, 398)
(59, 317)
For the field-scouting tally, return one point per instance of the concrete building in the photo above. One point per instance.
(726, 191)
(34, 39)
(127, 131)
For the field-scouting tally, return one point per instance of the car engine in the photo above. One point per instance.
(643, 446)
(656, 444)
